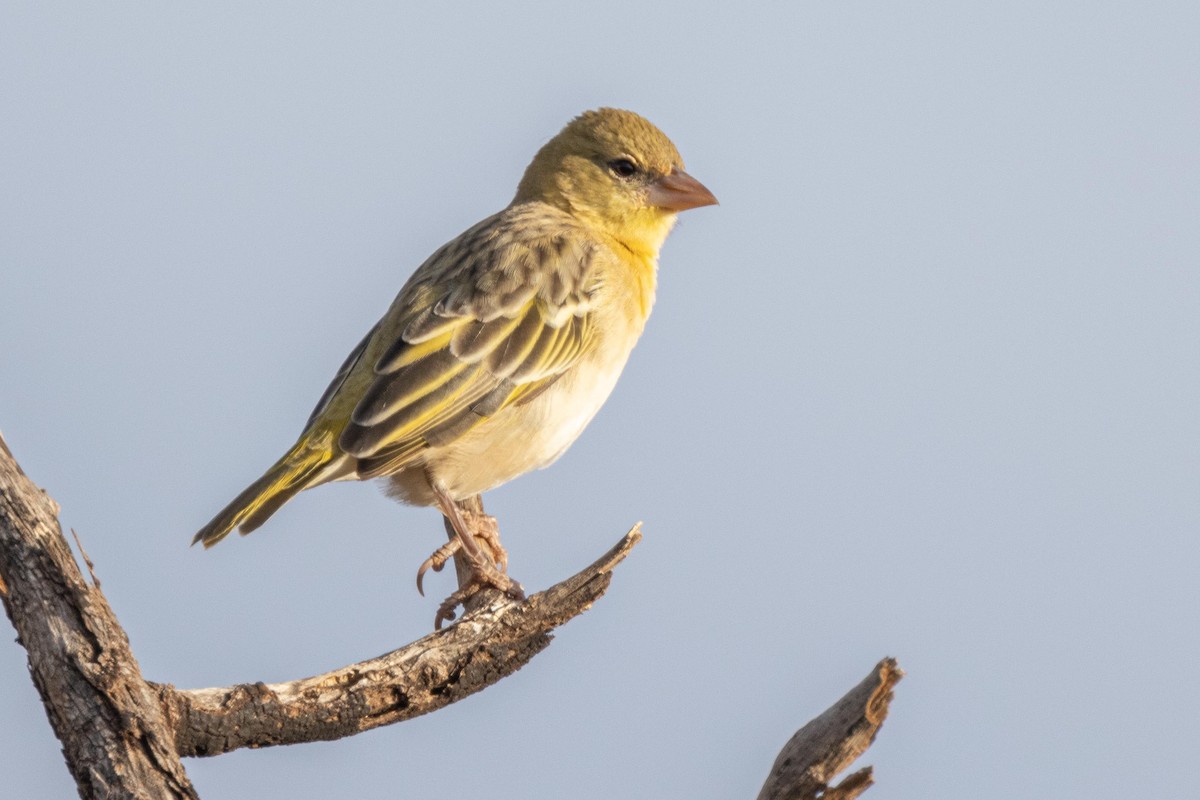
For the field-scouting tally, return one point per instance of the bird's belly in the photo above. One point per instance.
(526, 437)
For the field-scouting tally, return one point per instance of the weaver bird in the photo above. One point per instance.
(501, 347)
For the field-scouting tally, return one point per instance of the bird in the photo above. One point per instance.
(500, 348)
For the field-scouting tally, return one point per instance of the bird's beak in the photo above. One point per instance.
(679, 192)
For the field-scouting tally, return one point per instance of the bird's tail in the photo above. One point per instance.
(307, 464)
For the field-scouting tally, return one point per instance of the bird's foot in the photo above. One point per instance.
(484, 575)
(486, 532)
(436, 561)
(476, 546)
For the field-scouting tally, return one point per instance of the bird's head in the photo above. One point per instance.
(616, 171)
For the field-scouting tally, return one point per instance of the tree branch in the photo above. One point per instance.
(114, 735)
(122, 735)
(830, 743)
(434, 671)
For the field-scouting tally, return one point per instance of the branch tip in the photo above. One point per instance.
(832, 741)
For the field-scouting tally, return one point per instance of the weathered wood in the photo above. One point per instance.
(488, 644)
(122, 735)
(115, 738)
(831, 742)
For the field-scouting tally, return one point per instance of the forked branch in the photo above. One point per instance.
(123, 736)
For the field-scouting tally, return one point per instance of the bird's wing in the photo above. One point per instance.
(490, 320)
(340, 378)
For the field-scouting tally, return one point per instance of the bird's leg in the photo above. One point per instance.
(487, 534)
(486, 530)
(479, 570)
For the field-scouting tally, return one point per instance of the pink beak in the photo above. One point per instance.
(679, 192)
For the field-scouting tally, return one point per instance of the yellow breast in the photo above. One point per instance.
(525, 437)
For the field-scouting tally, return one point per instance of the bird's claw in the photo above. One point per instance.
(487, 533)
(437, 561)
(476, 547)
(487, 578)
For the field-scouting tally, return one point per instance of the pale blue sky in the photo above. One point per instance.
(924, 385)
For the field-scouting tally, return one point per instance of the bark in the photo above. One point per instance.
(490, 643)
(115, 736)
(123, 736)
(830, 743)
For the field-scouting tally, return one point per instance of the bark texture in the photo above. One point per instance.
(490, 643)
(123, 736)
(115, 737)
(831, 742)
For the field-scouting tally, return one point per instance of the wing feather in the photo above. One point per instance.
(340, 378)
(509, 353)
(491, 320)
(430, 379)
(476, 339)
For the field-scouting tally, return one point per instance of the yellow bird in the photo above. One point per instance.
(501, 347)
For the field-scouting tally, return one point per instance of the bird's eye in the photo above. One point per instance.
(623, 167)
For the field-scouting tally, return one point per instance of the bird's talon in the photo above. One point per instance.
(484, 579)
(476, 545)
(442, 616)
(487, 533)
(446, 612)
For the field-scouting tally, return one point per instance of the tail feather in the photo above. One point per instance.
(301, 468)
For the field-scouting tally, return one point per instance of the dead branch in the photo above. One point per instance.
(434, 671)
(115, 737)
(830, 743)
(123, 736)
